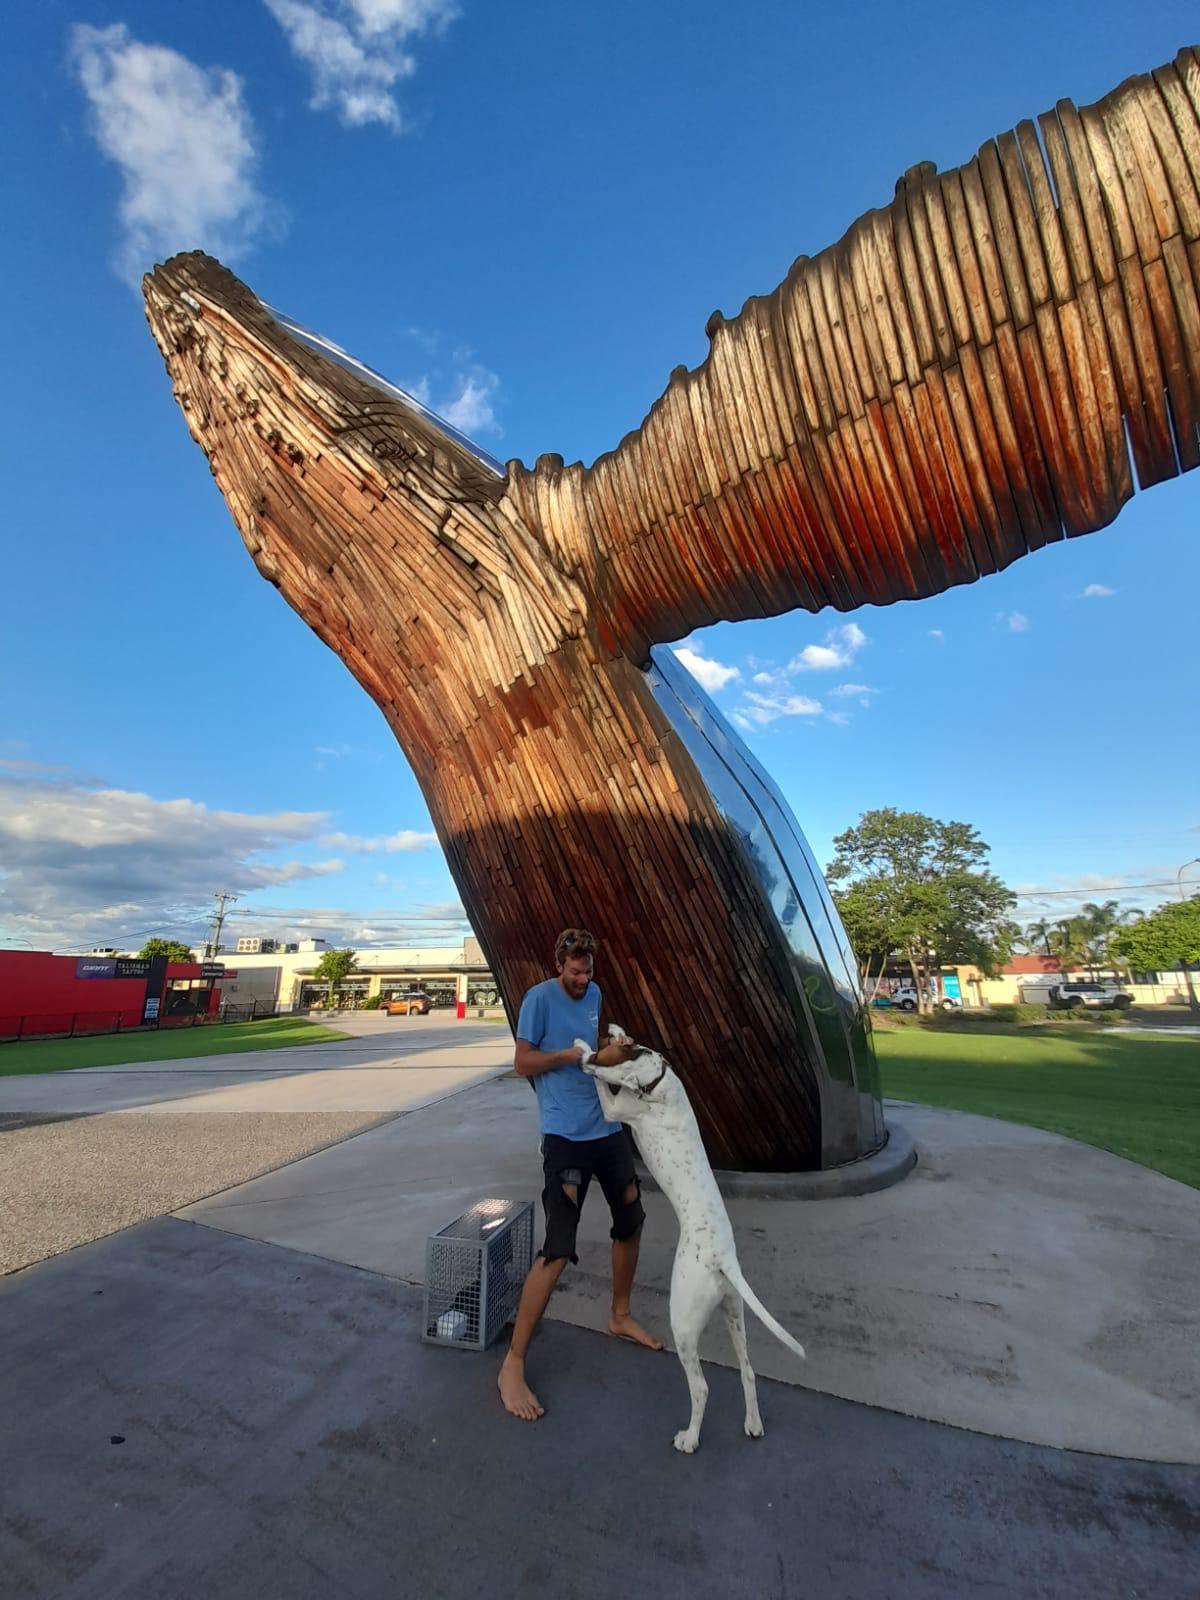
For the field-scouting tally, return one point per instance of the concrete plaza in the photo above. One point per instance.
(1000, 1396)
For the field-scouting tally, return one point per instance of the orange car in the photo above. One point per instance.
(409, 1005)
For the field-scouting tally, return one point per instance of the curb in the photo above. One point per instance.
(888, 1165)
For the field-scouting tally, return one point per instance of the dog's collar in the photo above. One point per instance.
(650, 1087)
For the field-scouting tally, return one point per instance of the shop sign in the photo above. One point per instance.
(138, 967)
(95, 967)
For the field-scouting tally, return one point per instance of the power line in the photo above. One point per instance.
(1093, 888)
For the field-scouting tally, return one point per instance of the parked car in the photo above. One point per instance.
(409, 1005)
(905, 996)
(1063, 996)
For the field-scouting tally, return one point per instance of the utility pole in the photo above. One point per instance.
(212, 949)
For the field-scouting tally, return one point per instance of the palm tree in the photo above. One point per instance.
(1104, 922)
(1036, 937)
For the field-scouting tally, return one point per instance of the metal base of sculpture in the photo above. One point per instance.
(962, 378)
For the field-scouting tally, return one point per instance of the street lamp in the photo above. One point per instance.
(1195, 861)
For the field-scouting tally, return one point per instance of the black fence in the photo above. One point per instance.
(84, 1024)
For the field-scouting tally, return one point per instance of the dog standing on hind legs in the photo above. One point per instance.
(640, 1088)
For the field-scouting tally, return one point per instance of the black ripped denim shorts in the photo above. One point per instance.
(576, 1162)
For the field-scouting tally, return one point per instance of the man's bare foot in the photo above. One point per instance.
(622, 1326)
(519, 1399)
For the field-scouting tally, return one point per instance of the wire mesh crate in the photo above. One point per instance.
(474, 1270)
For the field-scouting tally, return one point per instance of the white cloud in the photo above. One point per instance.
(761, 709)
(839, 649)
(183, 140)
(1098, 591)
(819, 658)
(291, 870)
(463, 398)
(470, 410)
(405, 839)
(418, 925)
(861, 692)
(1017, 621)
(357, 50)
(85, 864)
(840, 717)
(936, 633)
(840, 646)
(711, 675)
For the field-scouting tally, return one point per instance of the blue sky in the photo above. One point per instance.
(525, 213)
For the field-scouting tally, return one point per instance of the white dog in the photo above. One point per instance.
(640, 1088)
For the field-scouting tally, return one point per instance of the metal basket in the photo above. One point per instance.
(474, 1271)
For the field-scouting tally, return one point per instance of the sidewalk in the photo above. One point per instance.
(199, 1414)
(100, 1148)
(1017, 1283)
(206, 1406)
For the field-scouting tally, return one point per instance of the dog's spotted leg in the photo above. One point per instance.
(694, 1295)
(735, 1321)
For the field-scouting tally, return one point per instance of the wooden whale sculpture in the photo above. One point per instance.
(964, 377)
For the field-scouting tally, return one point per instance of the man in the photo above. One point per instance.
(577, 1146)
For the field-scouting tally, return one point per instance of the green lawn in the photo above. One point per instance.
(171, 1044)
(1135, 1095)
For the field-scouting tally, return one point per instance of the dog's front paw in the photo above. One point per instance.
(685, 1441)
(585, 1051)
(617, 1033)
(754, 1427)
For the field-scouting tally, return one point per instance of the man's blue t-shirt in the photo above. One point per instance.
(568, 1103)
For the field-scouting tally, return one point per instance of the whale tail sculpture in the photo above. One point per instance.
(973, 370)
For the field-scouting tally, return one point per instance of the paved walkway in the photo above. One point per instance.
(235, 1400)
(96, 1149)
(1017, 1283)
(193, 1413)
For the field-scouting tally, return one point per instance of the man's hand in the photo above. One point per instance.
(530, 1063)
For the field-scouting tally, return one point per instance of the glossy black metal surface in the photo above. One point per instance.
(833, 1028)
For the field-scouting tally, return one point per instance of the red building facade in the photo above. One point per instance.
(41, 993)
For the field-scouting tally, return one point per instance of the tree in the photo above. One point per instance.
(1035, 936)
(1099, 926)
(171, 948)
(1166, 939)
(333, 967)
(1068, 943)
(917, 885)
(864, 908)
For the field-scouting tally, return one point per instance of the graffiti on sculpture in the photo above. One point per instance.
(974, 370)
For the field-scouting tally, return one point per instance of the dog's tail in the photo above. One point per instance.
(734, 1278)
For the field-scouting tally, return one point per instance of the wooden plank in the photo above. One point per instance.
(927, 268)
(1054, 246)
(1091, 194)
(970, 271)
(1185, 124)
(919, 317)
(1004, 237)
(1150, 376)
(1169, 340)
(890, 309)
(983, 241)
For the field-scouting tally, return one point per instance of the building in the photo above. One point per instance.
(42, 993)
(283, 978)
